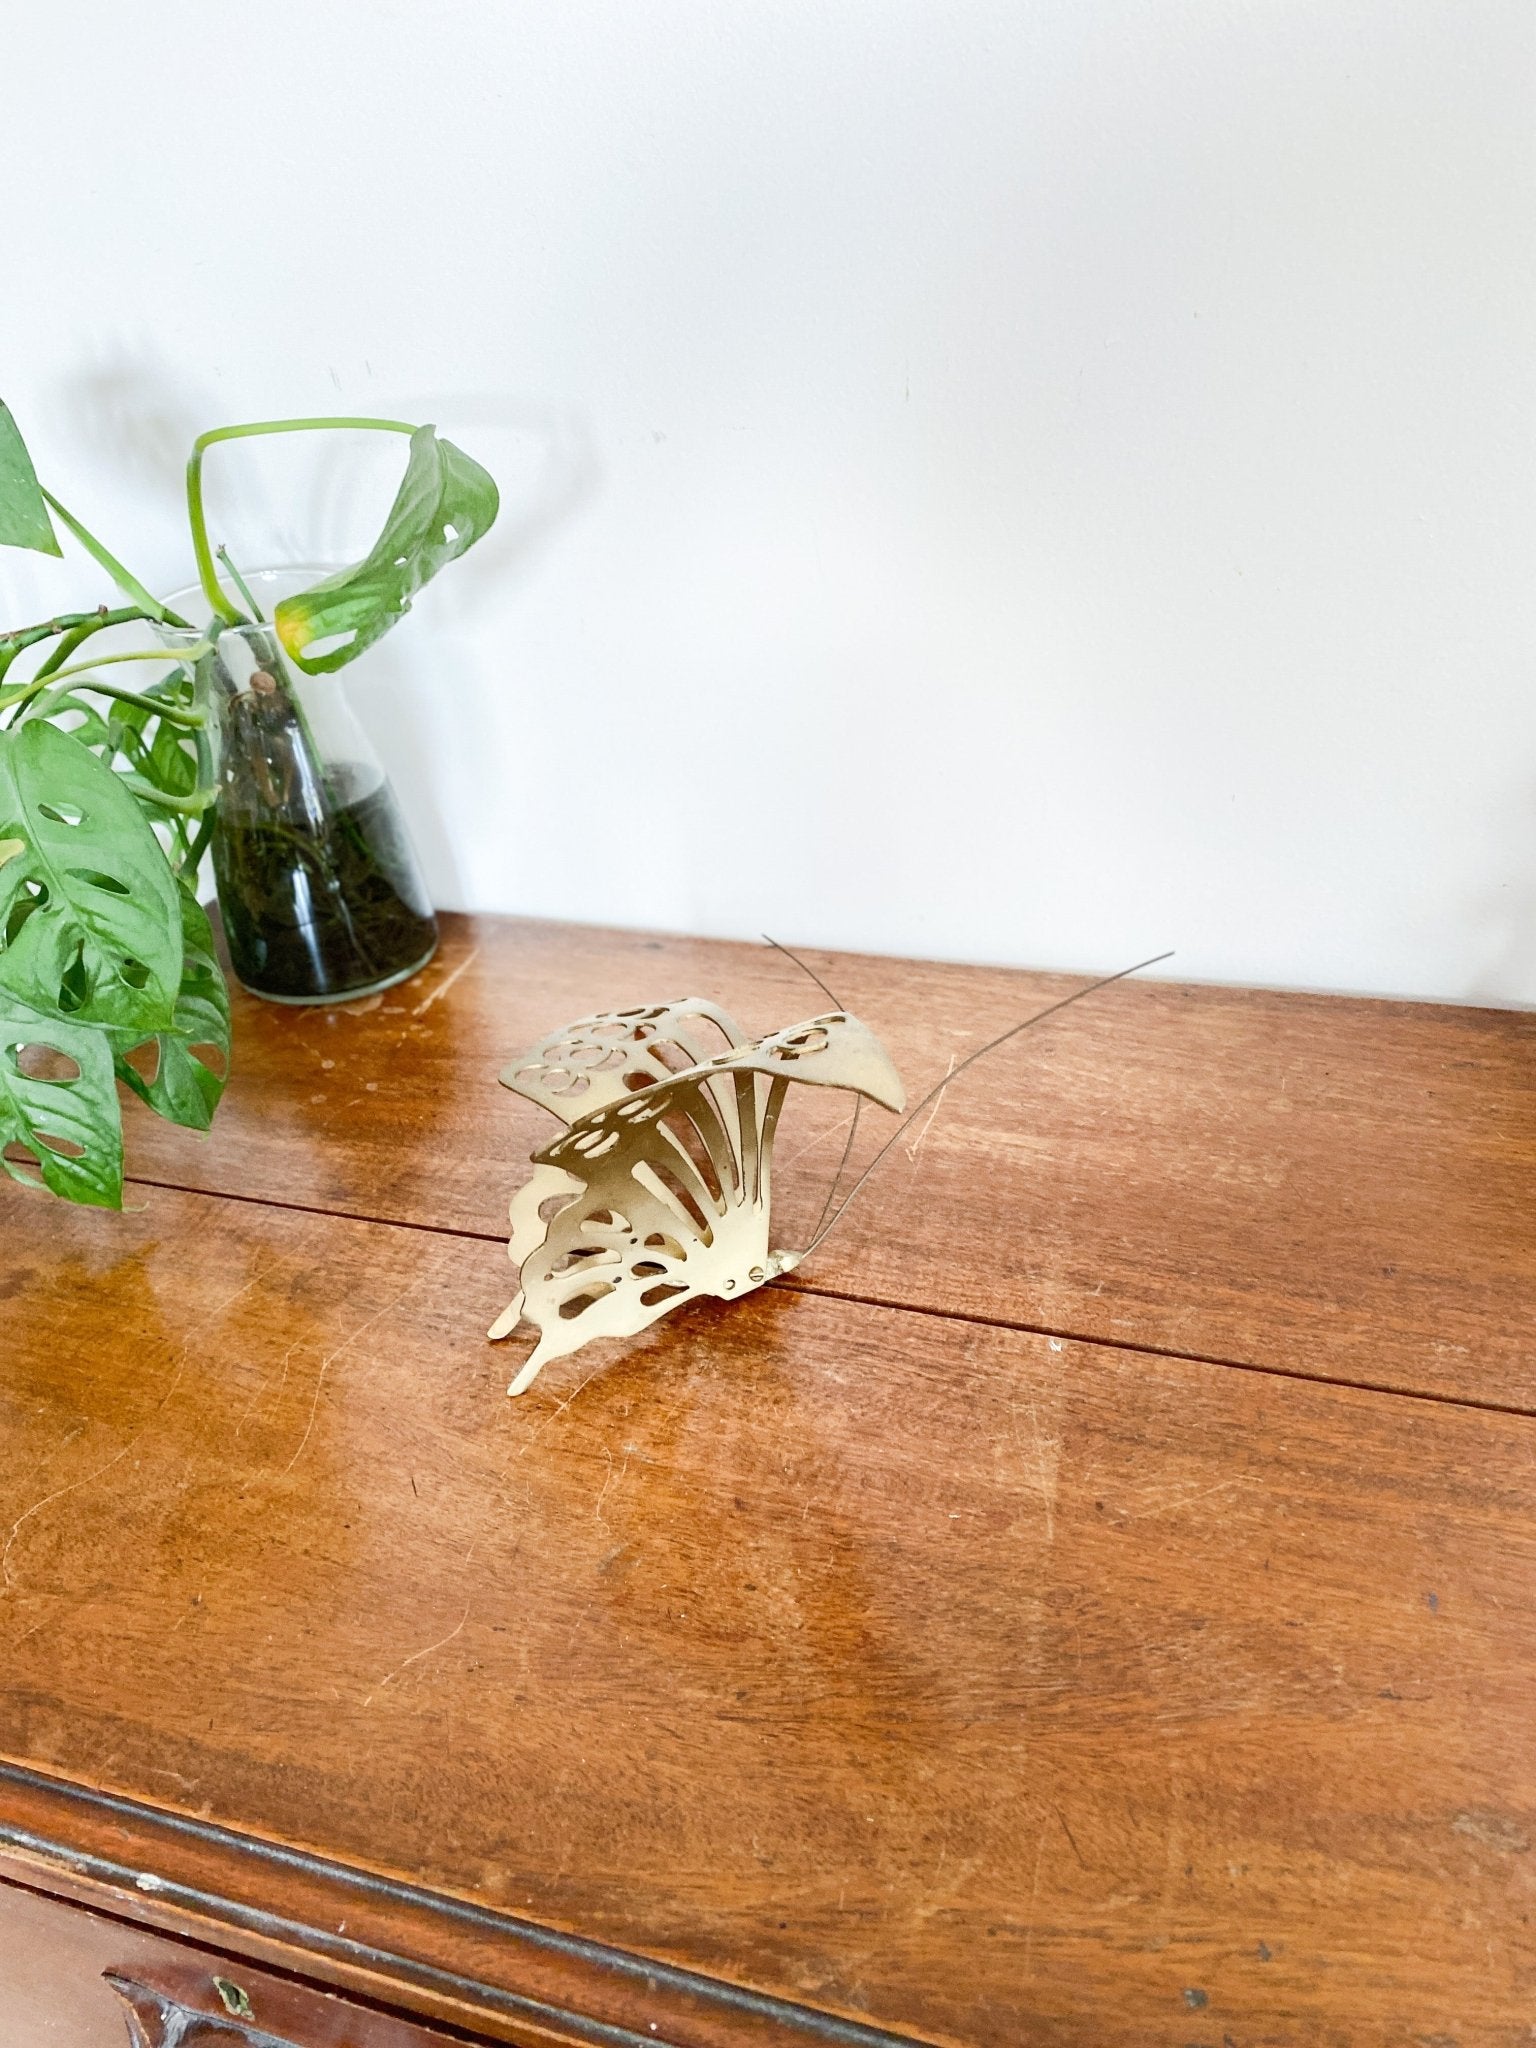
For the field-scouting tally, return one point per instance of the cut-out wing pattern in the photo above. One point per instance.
(658, 1190)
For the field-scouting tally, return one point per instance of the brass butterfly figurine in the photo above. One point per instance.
(657, 1190)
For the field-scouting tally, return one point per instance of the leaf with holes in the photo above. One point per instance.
(57, 1102)
(24, 521)
(79, 717)
(89, 920)
(179, 1083)
(168, 771)
(445, 503)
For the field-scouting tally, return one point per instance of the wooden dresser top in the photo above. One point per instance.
(1092, 1601)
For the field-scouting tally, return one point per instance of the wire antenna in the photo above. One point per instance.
(858, 1101)
(950, 1078)
(805, 968)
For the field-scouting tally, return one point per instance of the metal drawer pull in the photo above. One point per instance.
(157, 2021)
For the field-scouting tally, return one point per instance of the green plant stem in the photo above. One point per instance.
(242, 586)
(192, 856)
(12, 644)
(193, 806)
(68, 644)
(24, 693)
(207, 575)
(194, 721)
(125, 580)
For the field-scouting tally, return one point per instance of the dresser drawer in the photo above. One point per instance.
(70, 1978)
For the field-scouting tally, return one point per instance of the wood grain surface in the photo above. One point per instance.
(1338, 1189)
(988, 1687)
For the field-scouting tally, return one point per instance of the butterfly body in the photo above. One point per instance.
(658, 1191)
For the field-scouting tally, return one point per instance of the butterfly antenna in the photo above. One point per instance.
(842, 1167)
(858, 1101)
(804, 967)
(970, 1059)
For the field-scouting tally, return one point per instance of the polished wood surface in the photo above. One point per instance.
(972, 1684)
(1336, 1189)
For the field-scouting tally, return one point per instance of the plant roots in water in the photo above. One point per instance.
(322, 905)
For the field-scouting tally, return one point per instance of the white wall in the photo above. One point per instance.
(1032, 481)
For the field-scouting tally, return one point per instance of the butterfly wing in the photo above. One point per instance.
(589, 1064)
(601, 1059)
(834, 1051)
(667, 1189)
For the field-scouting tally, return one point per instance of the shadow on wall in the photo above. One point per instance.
(140, 413)
(547, 468)
(556, 472)
(321, 498)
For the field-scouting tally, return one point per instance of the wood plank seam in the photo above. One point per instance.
(797, 1283)
(792, 1285)
(1227, 1174)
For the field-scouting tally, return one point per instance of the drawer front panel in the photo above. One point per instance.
(74, 1979)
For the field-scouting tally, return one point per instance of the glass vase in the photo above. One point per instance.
(320, 891)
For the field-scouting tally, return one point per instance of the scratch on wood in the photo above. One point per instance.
(446, 983)
(1176, 1497)
(221, 1309)
(560, 1407)
(916, 1145)
(260, 1393)
(781, 1160)
(1048, 1466)
(417, 1655)
(74, 1486)
(4, 1555)
(1034, 1900)
(609, 1480)
(330, 1358)
(1046, 1452)
(577, 1625)
(314, 1407)
(943, 1896)
(229, 1300)
(176, 1778)
(1070, 1836)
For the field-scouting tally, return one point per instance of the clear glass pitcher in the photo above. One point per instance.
(321, 894)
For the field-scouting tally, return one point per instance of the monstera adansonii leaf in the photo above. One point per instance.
(445, 502)
(57, 1099)
(181, 1085)
(90, 922)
